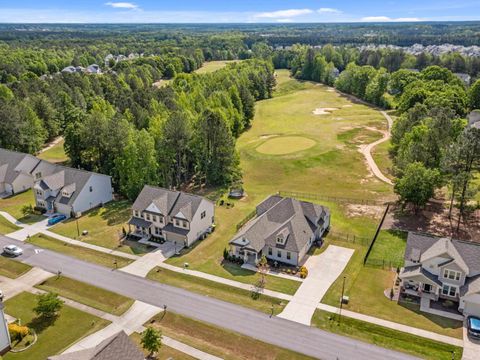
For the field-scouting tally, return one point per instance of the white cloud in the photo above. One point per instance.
(388, 19)
(284, 20)
(122, 5)
(283, 13)
(328, 11)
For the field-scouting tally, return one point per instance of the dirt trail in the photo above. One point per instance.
(366, 150)
(51, 144)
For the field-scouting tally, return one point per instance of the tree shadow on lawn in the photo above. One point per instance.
(41, 323)
(441, 321)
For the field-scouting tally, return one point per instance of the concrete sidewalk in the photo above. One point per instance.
(13, 287)
(147, 262)
(323, 270)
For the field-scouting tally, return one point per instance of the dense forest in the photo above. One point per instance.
(124, 124)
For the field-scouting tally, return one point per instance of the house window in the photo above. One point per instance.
(451, 274)
(91, 188)
(161, 219)
(155, 218)
(38, 175)
(203, 214)
(147, 216)
(158, 231)
(449, 290)
(269, 251)
(279, 254)
(280, 240)
(185, 224)
(39, 192)
(136, 213)
(289, 256)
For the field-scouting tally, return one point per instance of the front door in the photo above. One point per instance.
(427, 288)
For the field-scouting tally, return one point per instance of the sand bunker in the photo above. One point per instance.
(285, 145)
(323, 111)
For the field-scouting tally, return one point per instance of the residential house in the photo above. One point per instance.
(283, 230)
(16, 172)
(93, 69)
(70, 191)
(116, 347)
(4, 334)
(161, 214)
(443, 268)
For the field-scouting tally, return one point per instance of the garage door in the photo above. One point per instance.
(471, 308)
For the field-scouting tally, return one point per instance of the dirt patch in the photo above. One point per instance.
(331, 89)
(347, 106)
(323, 111)
(356, 210)
(267, 136)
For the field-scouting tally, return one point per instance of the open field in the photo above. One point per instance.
(87, 294)
(384, 162)
(104, 226)
(14, 204)
(55, 154)
(211, 66)
(381, 336)
(6, 226)
(12, 268)
(54, 335)
(165, 352)
(333, 166)
(78, 252)
(220, 291)
(220, 342)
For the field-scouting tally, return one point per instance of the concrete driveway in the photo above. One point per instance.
(323, 270)
(147, 262)
(12, 287)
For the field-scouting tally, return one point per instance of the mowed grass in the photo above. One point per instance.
(6, 226)
(285, 145)
(211, 66)
(330, 167)
(165, 352)
(217, 290)
(11, 268)
(55, 154)
(105, 227)
(87, 294)
(78, 252)
(388, 338)
(389, 247)
(14, 204)
(382, 158)
(54, 335)
(220, 342)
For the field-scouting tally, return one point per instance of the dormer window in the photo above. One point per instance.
(280, 240)
(65, 194)
(38, 175)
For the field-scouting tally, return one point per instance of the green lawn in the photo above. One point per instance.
(389, 248)
(217, 290)
(382, 159)
(381, 336)
(78, 251)
(55, 154)
(104, 226)
(14, 204)
(218, 341)
(165, 352)
(211, 66)
(87, 294)
(55, 335)
(6, 226)
(11, 268)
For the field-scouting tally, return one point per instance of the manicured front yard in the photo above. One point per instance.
(220, 342)
(14, 204)
(104, 226)
(220, 291)
(6, 226)
(381, 336)
(165, 352)
(11, 268)
(87, 294)
(79, 252)
(54, 335)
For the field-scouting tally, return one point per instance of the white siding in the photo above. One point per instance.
(199, 226)
(4, 335)
(23, 182)
(101, 193)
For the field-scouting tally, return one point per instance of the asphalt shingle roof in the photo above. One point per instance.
(13, 163)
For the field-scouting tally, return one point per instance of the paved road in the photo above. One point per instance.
(297, 337)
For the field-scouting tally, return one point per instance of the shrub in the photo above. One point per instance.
(17, 332)
(225, 254)
(303, 272)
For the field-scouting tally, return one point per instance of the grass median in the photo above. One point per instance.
(12, 269)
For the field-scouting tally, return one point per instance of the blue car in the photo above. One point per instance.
(473, 326)
(55, 219)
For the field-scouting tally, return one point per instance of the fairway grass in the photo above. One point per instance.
(55, 335)
(211, 66)
(285, 145)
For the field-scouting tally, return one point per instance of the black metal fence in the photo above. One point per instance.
(246, 219)
(351, 238)
(383, 263)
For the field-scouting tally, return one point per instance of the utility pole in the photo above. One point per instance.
(78, 229)
(341, 302)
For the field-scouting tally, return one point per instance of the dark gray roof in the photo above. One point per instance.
(279, 216)
(116, 347)
(420, 243)
(472, 286)
(13, 163)
(418, 270)
(168, 202)
(139, 222)
(172, 229)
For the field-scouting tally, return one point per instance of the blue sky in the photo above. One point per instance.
(242, 11)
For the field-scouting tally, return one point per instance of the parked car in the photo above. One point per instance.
(55, 219)
(12, 250)
(473, 326)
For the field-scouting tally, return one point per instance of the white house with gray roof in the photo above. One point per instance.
(69, 191)
(165, 215)
(283, 230)
(443, 268)
(16, 172)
